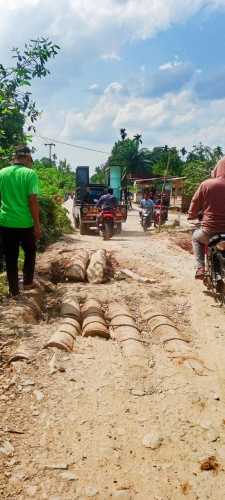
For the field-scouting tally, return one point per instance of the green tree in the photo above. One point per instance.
(200, 162)
(133, 160)
(100, 175)
(166, 160)
(123, 134)
(54, 180)
(16, 104)
(196, 171)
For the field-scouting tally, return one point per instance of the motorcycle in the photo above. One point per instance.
(214, 277)
(146, 218)
(106, 223)
(160, 215)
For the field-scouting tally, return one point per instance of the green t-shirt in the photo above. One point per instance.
(17, 183)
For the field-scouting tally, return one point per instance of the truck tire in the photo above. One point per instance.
(77, 222)
(118, 228)
(83, 229)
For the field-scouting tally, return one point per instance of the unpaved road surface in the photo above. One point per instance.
(81, 431)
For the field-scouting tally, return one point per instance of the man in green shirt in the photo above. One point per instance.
(19, 217)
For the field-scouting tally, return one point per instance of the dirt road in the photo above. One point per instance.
(102, 426)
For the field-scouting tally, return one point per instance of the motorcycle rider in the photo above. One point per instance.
(146, 202)
(209, 201)
(106, 202)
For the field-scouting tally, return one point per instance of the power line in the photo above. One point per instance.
(44, 138)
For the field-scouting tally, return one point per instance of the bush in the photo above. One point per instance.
(54, 221)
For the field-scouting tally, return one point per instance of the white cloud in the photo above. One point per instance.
(89, 30)
(172, 119)
(111, 22)
(111, 56)
(170, 65)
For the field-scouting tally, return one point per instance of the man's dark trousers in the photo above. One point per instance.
(12, 238)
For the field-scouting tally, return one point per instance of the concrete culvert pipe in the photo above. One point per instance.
(115, 310)
(65, 335)
(165, 332)
(125, 331)
(71, 267)
(76, 268)
(91, 307)
(61, 340)
(73, 323)
(96, 329)
(70, 307)
(97, 269)
(94, 323)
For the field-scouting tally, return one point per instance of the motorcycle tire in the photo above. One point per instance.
(145, 227)
(108, 230)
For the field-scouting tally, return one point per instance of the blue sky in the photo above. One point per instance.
(156, 67)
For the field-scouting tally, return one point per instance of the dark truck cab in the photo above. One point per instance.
(84, 206)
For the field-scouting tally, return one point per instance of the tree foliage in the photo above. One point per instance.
(54, 180)
(199, 164)
(137, 161)
(128, 154)
(54, 221)
(17, 107)
(100, 175)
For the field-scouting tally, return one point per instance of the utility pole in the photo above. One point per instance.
(50, 145)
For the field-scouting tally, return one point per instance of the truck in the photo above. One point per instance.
(84, 205)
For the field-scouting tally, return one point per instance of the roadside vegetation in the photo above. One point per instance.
(18, 115)
(138, 161)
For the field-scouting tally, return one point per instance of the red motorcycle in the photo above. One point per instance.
(106, 223)
(160, 215)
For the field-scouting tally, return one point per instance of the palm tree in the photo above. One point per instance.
(138, 139)
(123, 134)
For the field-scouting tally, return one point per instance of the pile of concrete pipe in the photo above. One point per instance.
(124, 329)
(69, 326)
(93, 319)
(80, 266)
(165, 333)
(97, 269)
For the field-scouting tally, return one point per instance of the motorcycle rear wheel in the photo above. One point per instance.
(107, 230)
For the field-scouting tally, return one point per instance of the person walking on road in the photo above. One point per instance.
(19, 217)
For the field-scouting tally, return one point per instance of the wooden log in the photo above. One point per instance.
(137, 277)
(96, 271)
